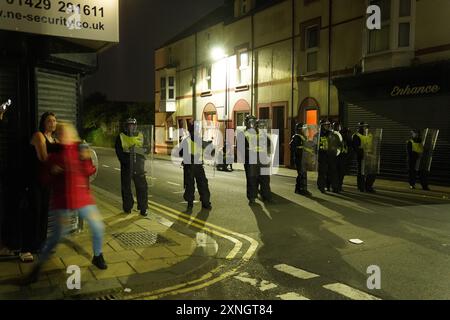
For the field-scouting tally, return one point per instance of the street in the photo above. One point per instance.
(299, 248)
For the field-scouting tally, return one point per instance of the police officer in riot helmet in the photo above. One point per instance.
(365, 181)
(324, 158)
(191, 150)
(344, 155)
(415, 150)
(254, 175)
(130, 148)
(340, 152)
(298, 148)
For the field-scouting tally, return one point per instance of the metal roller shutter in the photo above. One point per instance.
(58, 93)
(397, 118)
(8, 90)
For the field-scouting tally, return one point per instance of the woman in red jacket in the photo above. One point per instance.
(70, 170)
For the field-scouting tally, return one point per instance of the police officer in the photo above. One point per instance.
(414, 148)
(361, 141)
(298, 148)
(344, 156)
(130, 150)
(192, 148)
(253, 164)
(324, 157)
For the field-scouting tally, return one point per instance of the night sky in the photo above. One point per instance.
(126, 71)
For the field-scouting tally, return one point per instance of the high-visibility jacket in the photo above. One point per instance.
(366, 142)
(323, 144)
(417, 147)
(133, 144)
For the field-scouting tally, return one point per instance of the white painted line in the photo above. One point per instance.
(178, 192)
(264, 285)
(349, 292)
(105, 166)
(117, 169)
(291, 296)
(298, 273)
(174, 184)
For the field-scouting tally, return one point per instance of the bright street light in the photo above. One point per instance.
(217, 53)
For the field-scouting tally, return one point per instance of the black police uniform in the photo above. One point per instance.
(255, 159)
(297, 145)
(194, 171)
(414, 149)
(323, 160)
(132, 166)
(365, 182)
(343, 157)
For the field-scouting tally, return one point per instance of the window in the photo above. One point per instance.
(404, 26)
(242, 63)
(207, 78)
(396, 26)
(379, 40)
(240, 118)
(163, 88)
(312, 47)
(171, 88)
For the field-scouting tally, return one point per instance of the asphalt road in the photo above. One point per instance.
(304, 250)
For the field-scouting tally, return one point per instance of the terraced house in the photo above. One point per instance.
(303, 60)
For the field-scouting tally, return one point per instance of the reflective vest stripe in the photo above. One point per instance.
(417, 147)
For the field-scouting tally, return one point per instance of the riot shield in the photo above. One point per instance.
(429, 141)
(310, 154)
(268, 146)
(371, 144)
(335, 144)
(212, 144)
(94, 158)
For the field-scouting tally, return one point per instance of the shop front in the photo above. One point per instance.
(399, 100)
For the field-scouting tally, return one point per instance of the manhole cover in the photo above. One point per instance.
(140, 239)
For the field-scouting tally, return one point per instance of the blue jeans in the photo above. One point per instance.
(89, 214)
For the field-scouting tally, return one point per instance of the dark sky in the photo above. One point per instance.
(126, 71)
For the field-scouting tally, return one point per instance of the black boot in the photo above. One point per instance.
(207, 206)
(99, 262)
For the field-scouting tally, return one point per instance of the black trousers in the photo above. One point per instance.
(140, 183)
(365, 182)
(255, 181)
(423, 175)
(302, 178)
(195, 173)
(341, 166)
(328, 175)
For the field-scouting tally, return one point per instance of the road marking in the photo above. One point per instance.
(253, 243)
(349, 292)
(291, 296)
(207, 279)
(298, 273)
(237, 244)
(105, 166)
(117, 169)
(174, 184)
(262, 285)
(178, 192)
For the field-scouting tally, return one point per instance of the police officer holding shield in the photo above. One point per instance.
(362, 142)
(298, 149)
(415, 150)
(131, 152)
(191, 150)
(255, 151)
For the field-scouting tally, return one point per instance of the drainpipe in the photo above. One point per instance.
(330, 20)
(293, 68)
(252, 82)
(194, 82)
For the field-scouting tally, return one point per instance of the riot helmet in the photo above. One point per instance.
(131, 127)
(363, 127)
(325, 124)
(251, 122)
(337, 126)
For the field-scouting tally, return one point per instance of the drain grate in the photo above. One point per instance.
(142, 239)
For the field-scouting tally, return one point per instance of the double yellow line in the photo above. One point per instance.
(214, 276)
